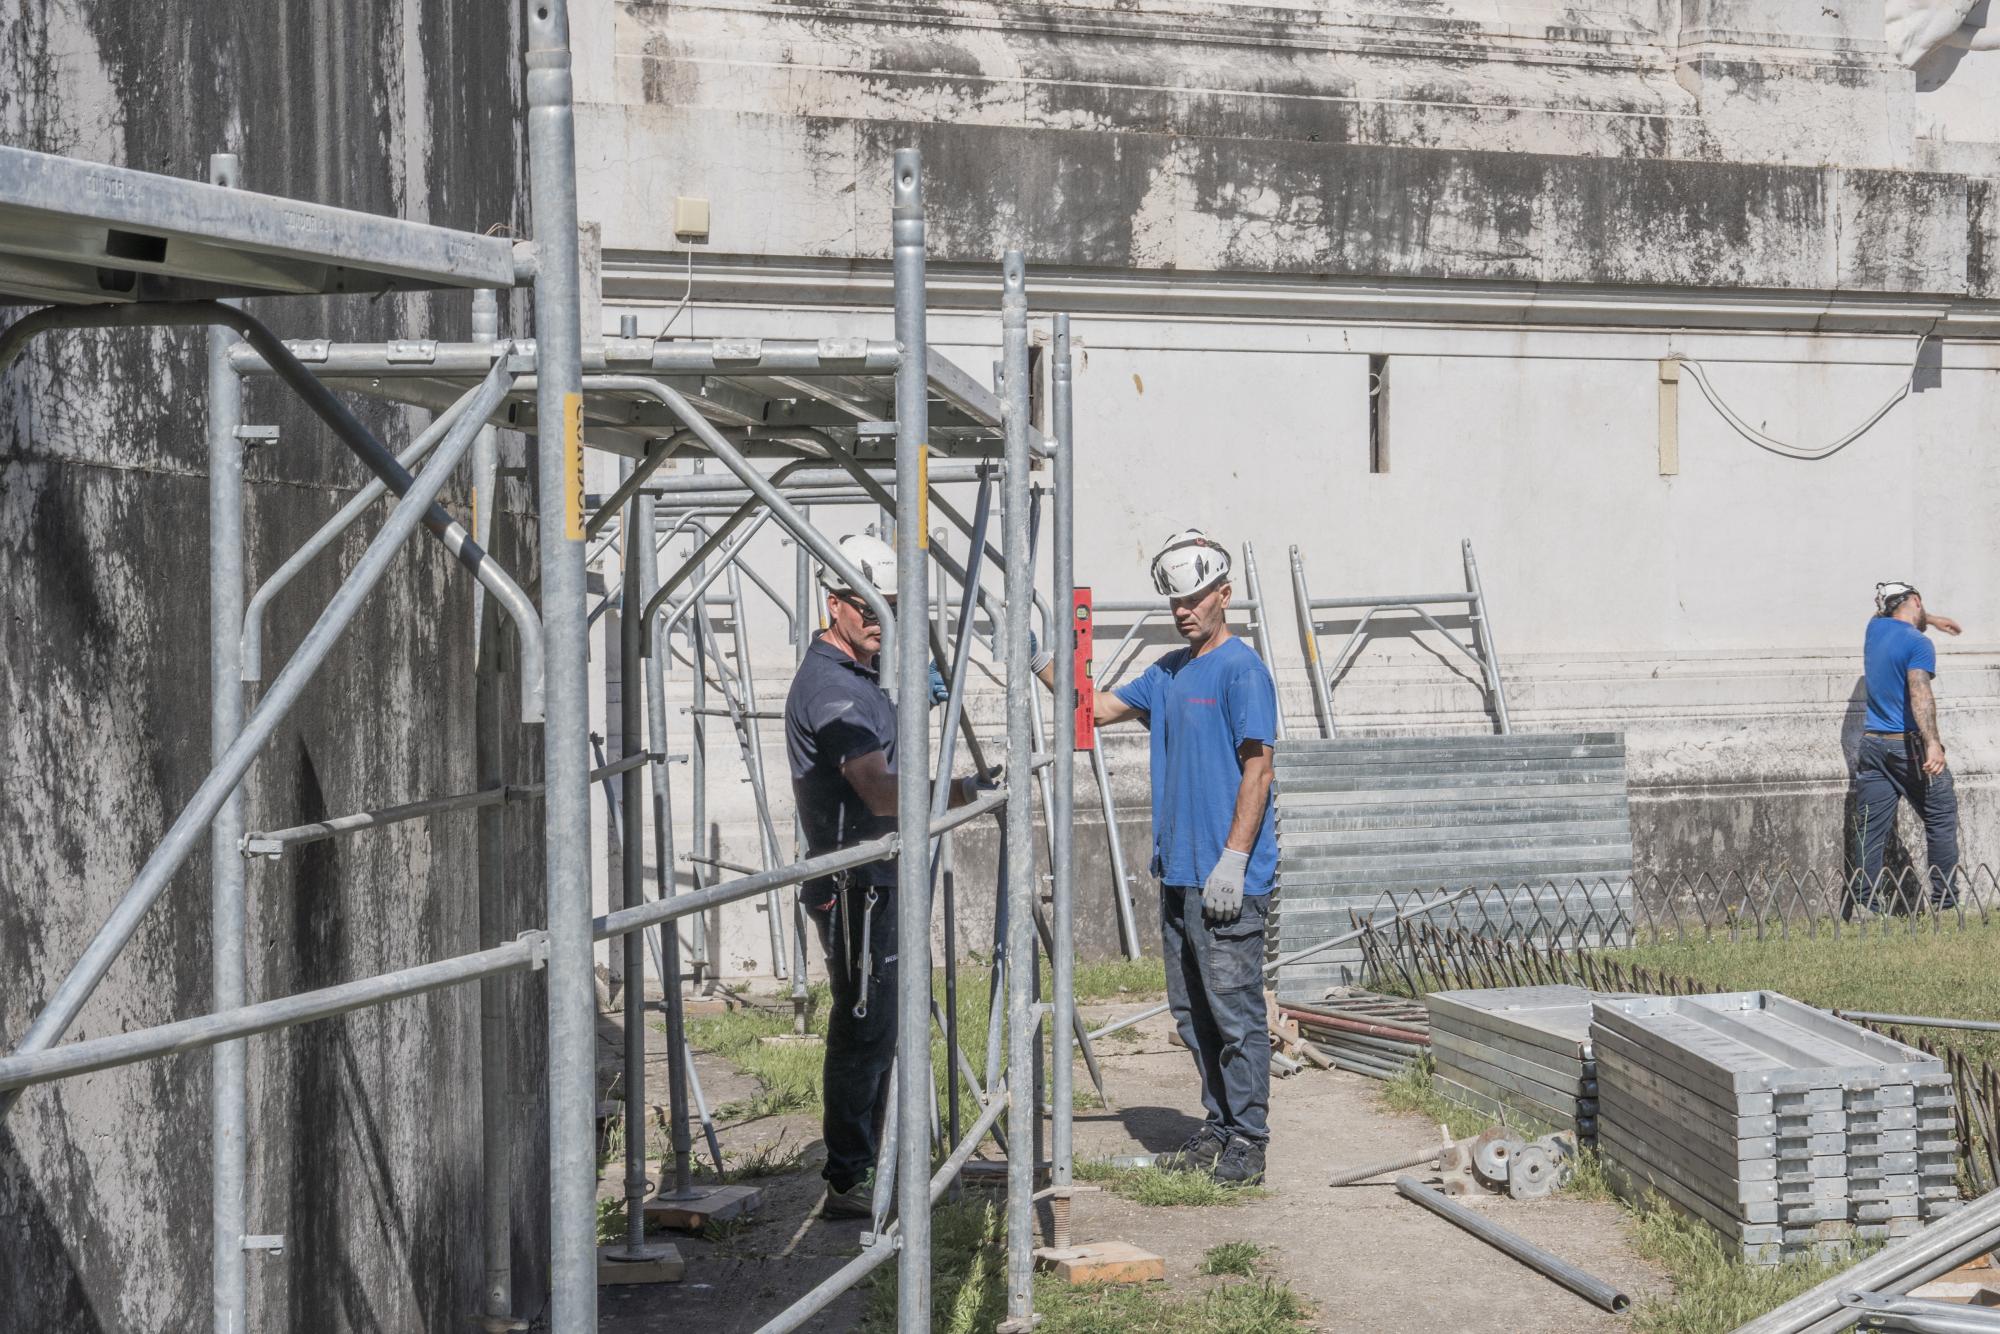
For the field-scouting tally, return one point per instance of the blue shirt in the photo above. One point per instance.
(1199, 710)
(835, 712)
(1893, 648)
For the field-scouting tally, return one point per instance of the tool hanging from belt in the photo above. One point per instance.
(861, 968)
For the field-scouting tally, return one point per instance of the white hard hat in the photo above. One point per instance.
(1191, 562)
(874, 558)
(1889, 595)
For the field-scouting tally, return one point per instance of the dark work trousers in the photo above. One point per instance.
(855, 1079)
(1888, 768)
(1215, 989)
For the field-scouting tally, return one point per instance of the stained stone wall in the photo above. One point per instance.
(364, 1129)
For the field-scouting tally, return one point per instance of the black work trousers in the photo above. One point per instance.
(860, 1049)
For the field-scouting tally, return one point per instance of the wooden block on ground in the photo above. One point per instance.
(1102, 1262)
(716, 1204)
(667, 1267)
(1975, 1284)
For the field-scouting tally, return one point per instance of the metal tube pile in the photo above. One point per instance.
(1364, 1032)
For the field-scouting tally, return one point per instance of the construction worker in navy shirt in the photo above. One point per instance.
(1901, 756)
(840, 737)
(1212, 710)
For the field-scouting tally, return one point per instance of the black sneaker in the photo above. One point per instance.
(857, 1201)
(1197, 1155)
(1241, 1163)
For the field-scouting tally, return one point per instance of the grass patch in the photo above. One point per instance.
(1232, 1257)
(610, 1222)
(969, 1293)
(774, 1159)
(1713, 1293)
(1944, 973)
(1110, 979)
(1156, 1188)
(789, 1073)
(1410, 1091)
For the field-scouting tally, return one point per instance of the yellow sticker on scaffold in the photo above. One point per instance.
(924, 497)
(573, 467)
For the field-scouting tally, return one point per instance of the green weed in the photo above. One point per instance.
(1713, 1292)
(1232, 1257)
(1162, 1189)
(766, 1160)
(610, 1221)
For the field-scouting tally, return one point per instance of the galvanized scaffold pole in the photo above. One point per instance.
(1062, 815)
(228, 1114)
(1023, 1097)
(913, 792)
(635, 541)
(566, 802)
(665, 882)
(1309, 641)
(496, 1177)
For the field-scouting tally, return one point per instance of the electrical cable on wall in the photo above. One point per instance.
(1776, 446)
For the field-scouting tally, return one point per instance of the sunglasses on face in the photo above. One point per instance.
(861, 609)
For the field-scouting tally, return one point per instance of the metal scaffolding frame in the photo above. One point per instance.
(115, 247)
(1481, 651)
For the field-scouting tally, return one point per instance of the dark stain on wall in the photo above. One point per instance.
(364, 1129)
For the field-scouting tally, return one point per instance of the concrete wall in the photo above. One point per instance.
(364, 1130)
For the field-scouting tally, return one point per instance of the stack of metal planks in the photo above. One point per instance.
(1787, 1130)
(1517, 1052)
(1364, 823)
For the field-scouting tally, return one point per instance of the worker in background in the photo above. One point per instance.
(1901, 754)
(1212, 710)
(840, 736)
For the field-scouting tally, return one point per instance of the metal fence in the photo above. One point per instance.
(1415, 956)
(1708, 904)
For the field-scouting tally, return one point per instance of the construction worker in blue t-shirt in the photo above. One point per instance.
(1901, 755)
(1212, 711)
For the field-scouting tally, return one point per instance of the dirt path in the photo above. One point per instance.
(1367, 1259)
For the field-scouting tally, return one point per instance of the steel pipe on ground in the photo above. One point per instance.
(1587, 1286)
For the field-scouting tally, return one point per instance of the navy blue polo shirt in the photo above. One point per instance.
(836, 711)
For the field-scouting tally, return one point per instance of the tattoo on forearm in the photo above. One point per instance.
(1923, 704)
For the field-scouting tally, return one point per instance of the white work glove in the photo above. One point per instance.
(1222, 895)
(1038, 657)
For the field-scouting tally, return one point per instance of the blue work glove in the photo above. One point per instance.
(1222, 895)
(940, 692)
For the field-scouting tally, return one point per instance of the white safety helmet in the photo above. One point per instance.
(874, 558)
(1191, 562)
(1890, 595)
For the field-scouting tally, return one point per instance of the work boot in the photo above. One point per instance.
(857, 1201)
(1197, 1155)
(1241, 1163)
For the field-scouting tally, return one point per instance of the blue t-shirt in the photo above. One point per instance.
(1892, 649)
(1199, 710)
